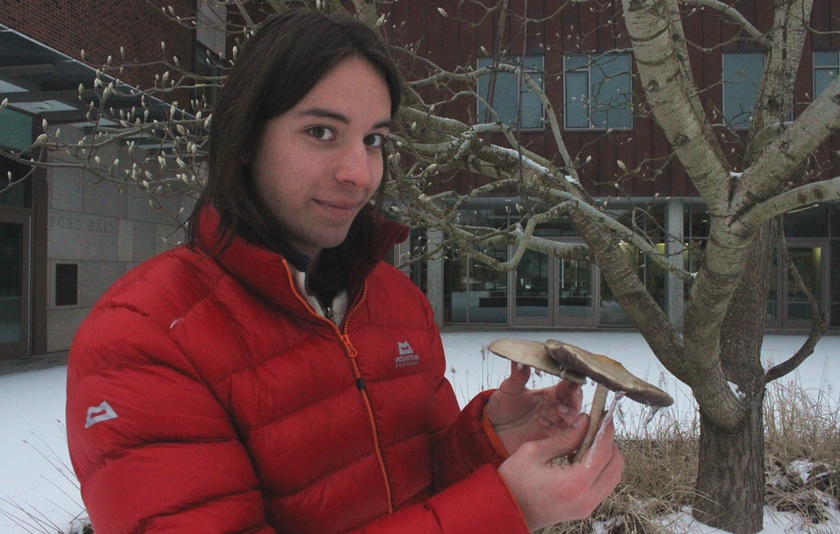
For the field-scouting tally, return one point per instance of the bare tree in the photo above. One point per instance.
(715, 348)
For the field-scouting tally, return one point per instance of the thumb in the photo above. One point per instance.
(518, 379)
(562, 442)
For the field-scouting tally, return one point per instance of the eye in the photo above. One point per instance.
(322, 133)
(375, 140)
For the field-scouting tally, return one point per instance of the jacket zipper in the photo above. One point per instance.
(360, 384)
(352, 353)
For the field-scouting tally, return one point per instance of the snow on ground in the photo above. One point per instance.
(35, 477)
(38, 492)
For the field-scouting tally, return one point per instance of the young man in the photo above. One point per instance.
(252, 381)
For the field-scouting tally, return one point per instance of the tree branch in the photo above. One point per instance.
(662, 59)
(789, 200)
(733, 14)
(783, 155)
(774, 102)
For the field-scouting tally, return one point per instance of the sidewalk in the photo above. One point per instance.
(32, 363)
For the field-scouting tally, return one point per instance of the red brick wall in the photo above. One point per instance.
(102, 27)
(450, 44)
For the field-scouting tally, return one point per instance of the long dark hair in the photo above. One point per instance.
(276, 69)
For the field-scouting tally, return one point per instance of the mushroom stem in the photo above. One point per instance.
(599, 401)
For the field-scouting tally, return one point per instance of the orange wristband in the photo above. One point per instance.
(494, 438)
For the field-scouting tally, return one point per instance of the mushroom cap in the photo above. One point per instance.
(576, 364)
(606, 371)
(532, 354)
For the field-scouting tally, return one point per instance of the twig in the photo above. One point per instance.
(818, 328)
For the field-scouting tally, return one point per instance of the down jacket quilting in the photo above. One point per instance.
(204, 394)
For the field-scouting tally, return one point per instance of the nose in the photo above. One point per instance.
(359, 166)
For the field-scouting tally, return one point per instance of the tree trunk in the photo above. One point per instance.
(730, 478)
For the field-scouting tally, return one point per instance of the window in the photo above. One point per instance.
(598, 91)
(15, 129)
(826, 65)
(696, 224)
(650, 221)
(474, 293)
(66, 284)
(19, 194)
(741, 78)
(12, 296)
(806, 222)
(499, 92)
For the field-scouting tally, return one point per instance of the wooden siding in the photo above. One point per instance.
(573, 29)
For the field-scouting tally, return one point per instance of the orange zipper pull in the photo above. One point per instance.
(348, 345)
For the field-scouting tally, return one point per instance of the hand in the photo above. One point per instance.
(549, 493)
(520, 415)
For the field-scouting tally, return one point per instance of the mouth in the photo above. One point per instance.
(341, 208)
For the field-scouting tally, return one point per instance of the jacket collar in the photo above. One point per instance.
(257, 267)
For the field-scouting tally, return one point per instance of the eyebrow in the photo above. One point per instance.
(328, 114)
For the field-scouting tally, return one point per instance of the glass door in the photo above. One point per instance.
(533, 287)
(14, 284)
(550, 291)
(810, 260)
(575, 294)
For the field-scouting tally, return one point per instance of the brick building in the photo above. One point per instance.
(64, 239)
(581, 54)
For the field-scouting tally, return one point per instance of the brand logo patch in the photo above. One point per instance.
(406, 357)
(97, 414)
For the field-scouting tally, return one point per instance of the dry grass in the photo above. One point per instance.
(661, 467)
(802, 459)
(802, 451)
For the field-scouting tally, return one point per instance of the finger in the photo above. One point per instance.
(604, 439)
(609, 477)
(561, 442)
(566, 414)
(568, 400)
(518, 379)
(569, 394)
(566, 389)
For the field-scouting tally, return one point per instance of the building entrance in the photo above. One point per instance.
(549, 291)
(15, 254)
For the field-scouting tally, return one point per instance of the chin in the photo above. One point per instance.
(333, 242)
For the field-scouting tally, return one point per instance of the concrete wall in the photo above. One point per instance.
(105, 230)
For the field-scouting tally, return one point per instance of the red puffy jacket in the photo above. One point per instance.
(205, 395)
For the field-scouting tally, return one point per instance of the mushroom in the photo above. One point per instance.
(576, 364)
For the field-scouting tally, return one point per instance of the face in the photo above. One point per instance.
(319, 163)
